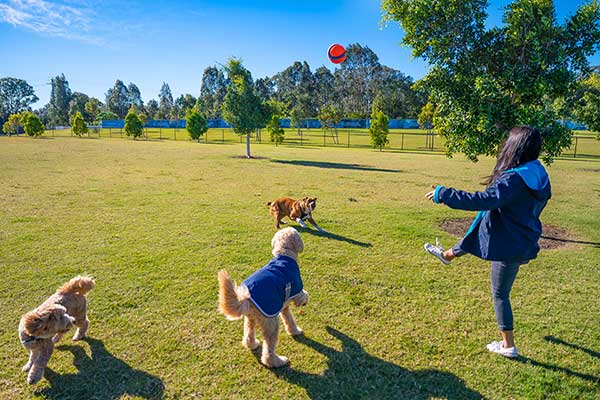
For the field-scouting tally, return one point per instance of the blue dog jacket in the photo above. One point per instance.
(274, 284)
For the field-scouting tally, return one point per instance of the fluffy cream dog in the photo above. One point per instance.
(41, 328)
(266, 294)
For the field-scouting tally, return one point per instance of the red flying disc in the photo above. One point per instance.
(336, 53)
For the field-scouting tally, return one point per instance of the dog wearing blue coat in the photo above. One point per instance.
(266, 295)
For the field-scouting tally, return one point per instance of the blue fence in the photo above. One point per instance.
(310, 123)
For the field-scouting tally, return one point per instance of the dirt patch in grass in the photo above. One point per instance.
(553, 237)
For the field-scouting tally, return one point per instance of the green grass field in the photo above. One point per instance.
(153, 222)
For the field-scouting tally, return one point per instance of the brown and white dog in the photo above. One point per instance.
(296, 210)
(280, 281)
(41, 328)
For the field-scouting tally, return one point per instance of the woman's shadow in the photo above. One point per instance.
(101, 376)
(353, 373)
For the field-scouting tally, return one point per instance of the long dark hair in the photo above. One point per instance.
(523, 144)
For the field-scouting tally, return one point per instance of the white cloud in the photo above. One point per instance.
(73, 21)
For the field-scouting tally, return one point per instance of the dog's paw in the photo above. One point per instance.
(26, 367)
(296, 332)
(275, 361)
(250, 345)
(32, 379)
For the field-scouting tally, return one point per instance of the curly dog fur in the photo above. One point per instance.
(41, 328)
(235, 303)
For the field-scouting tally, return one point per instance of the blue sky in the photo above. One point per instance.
(147, 42)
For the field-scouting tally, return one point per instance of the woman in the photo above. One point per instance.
(507, 228)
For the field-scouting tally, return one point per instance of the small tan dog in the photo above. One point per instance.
(266, 294)
(296, 210)
(41, 328)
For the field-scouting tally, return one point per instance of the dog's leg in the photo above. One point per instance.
(270, 329)
(29, 363)
(36, 372)
(313, 223)
(302, 224)
(289, 322)
(82, 327)
(56, 338)
(249, 340)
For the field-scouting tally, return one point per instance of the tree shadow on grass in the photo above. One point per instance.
(556, 368)
(334, 236)
(101, 376)
(562, 240)
(333, 165)
(353, 373)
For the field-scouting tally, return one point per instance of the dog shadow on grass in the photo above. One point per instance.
(101, 376)
(329, 235)
(353, 373)
(334, 165)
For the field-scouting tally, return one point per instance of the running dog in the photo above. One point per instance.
(267, 294)
(41, 328)
(296, 210)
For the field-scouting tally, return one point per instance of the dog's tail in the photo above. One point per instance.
(79, 285)
(234, 302)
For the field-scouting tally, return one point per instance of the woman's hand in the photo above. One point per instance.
(429, 195)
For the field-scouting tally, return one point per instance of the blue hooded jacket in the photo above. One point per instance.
(274, 284)
(507, 227)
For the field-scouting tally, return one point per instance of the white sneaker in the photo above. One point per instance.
(498, 348)
(436, 251)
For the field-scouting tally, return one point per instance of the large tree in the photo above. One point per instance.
(212, 92)
(484, 81)
(118, 99)
(587, 105)
(16, 95)
(93, 107)
(135, 97)
(77, 104)
(242, 107)
(60, 98)
(165, 102)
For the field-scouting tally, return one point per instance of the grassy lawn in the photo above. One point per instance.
(154, 221)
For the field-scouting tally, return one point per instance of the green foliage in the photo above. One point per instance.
(242, 107)
(60, 98)
(276, 132)
(118, 99)
(105, 115)
(15, 96)
(93, 107)
(32, 124)
(13, 124)
(587, 109)
(426, 116)
(165, 100)
(329, 116)
(196, 124)
(133, 124)
(485, 81)
(379, 128)
(78, 125)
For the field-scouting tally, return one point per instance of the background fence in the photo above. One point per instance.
(583, 145)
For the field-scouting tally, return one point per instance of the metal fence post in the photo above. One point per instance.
(402, 143)
(575, 152)
(222, 135)
(348, 138)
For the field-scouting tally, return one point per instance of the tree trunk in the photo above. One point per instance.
(248, 155)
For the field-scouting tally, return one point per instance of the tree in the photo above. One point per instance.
(77, 104)
(135, 98)
(212, 92)
(241, 108)
(60, 97)
(425, 119)
(152, 109)
(118, 99)
(276, 132)
(13, 124)
(184, 104)
(43, 114)
(78, 124)
(587, 108)
(196, 124)
(133, 124)
(379, 128)
(32, 124)
(485, 81)
(16, 95)
(93, 107)
(105, 116)
(165, 101)
(330, 116)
